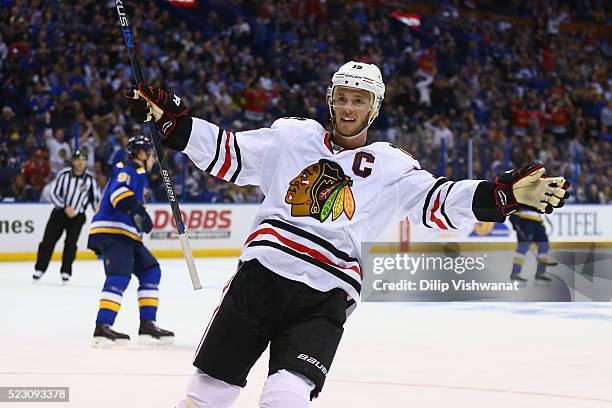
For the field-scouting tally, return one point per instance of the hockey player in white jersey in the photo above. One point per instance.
(326, 192)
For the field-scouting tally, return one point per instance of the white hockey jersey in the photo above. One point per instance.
(321, 204)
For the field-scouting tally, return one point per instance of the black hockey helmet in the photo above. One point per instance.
(139, 142)
(79, 154)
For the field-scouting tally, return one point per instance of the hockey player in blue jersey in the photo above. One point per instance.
(116, 235)
(529, 227)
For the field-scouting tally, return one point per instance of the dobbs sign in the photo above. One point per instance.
(209, 223)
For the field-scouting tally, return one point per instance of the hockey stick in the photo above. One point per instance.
(176, 211)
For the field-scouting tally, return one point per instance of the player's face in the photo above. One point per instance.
(298, 194)
(143, 155)
(150, 161)
(352, 109)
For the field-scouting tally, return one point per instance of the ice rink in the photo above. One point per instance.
(392, 355)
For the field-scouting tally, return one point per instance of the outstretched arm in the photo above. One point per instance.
(234, 157)
(444, 204)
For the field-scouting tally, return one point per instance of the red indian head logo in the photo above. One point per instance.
(319, 190)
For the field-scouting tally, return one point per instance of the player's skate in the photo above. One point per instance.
(542, 277)
(37, 275)
(149, 333)
(65, 278)
(547, 262)
(105, 336)
(517, 277)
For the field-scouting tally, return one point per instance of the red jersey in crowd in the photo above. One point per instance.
(520, 120)
(559, 119)
(256, 102)
(36, 170)
(537, 120)
(427, 61)
(548, 60)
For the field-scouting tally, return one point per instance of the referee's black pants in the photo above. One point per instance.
(58, 222)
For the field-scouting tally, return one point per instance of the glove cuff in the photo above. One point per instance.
(503, 194)
(484, 205)
(174, 124)
(178, 131)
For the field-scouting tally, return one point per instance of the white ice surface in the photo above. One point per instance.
(392, 355)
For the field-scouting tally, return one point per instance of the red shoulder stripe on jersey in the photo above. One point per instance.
(300, 248)
(435, 219)
(327, 142)
(228, 158)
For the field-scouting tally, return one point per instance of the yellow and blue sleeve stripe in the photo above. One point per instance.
(529, 217)
(120, 194)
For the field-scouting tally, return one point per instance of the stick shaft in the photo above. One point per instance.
(172, 199)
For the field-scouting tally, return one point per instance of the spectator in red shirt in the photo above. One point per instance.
(537, 120)
(558, 91)
(427, 62)
(256, 102)
(548, 60)
(36, 171)
(559, 118)
(520, 119)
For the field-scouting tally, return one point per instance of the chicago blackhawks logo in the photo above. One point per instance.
(319, 190)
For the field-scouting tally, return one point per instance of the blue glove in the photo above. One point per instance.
(141, 219)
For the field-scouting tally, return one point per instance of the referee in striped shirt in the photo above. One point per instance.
(72, 191)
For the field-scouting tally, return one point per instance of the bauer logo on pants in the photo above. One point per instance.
(319, 190)
(314, 362)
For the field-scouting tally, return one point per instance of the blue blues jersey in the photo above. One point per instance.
(127, 183)
(529, 215)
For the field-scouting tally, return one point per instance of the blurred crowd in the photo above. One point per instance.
(508, 83)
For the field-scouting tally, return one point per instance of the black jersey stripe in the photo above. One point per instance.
(334, 271)
(56, 193)
(311, 237)
(438, 183)
(72, 186)
(78, 200)
(238, 158)
(74, 191)
(214, 161)
(65, 184)
(443, 211)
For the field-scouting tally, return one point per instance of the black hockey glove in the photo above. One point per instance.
(525, 188)
(167, 109)
(141, 219)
